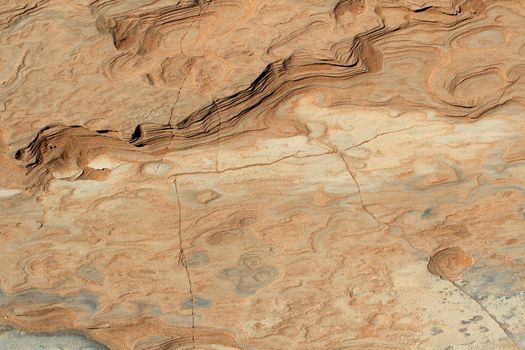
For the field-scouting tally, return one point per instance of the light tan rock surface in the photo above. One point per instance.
(227, 174)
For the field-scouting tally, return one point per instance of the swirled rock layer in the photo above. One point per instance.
(255, 174)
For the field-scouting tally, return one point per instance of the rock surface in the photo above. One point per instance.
(450, 263)
(252, 174)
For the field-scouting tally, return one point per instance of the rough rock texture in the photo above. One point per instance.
(252, 174)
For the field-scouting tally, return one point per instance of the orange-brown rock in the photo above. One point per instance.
(255, 174)
(450, 263)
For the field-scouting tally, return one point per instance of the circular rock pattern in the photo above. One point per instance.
(450, 263)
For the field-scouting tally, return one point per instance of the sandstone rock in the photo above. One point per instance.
(255, 174)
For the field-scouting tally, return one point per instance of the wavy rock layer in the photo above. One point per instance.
(281, 174)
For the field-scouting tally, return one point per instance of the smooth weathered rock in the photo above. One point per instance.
(262, 174)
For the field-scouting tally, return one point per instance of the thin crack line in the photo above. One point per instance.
(379, 135)
(186, 56)
(218, 133)
(181, 84)
(170, 118)
(352, 175)
(470, 296)
(358, 189)
(182, 261)
(201, 5)
(407, 240)
(253, 165)
(503, 328)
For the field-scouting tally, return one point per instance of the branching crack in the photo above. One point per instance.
(353, 176)
(253, 165)
(379, 135)
(341, 155)
(182, 261)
